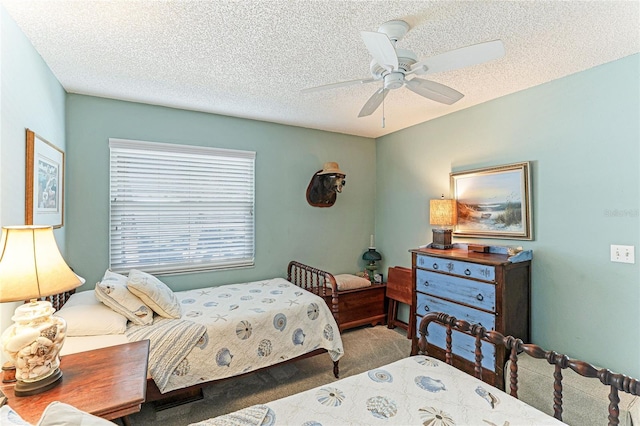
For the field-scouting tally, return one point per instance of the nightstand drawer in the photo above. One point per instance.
(427, 304)
(462, 344)
(469, 292)
(457, 267)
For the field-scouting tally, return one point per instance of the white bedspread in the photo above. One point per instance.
(250, 326)
(413, 391)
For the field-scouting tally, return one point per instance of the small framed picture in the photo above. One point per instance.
(378, 278)
(44, 182)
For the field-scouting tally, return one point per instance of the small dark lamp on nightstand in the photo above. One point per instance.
(443, 214)
(371, 256)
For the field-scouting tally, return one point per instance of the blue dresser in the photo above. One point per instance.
(491, 289)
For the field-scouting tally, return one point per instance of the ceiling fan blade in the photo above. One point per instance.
(460, 58)
(374, 102)
(434, 91)
(336, 85)
(381, 48)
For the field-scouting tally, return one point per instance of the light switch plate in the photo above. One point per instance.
(623, 254)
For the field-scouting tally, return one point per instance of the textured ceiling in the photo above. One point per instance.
(252, 58)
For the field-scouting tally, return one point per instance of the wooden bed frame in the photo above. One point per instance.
(315, 281)
(309, 278)
(617, 382)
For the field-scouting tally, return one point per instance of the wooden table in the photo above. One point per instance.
(108, 382)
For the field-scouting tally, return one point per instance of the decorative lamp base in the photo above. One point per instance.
(372, 271)
(33, 388)
(442, 239)
(32, 344)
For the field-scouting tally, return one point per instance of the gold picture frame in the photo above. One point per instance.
(494, 202)
(44, 182)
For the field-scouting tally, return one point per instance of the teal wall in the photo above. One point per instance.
(30, 97)
(287, 227)
(582, 135)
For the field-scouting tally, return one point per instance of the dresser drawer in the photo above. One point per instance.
(469, 292)
(457, 267)
(427, 304)
(462, 344)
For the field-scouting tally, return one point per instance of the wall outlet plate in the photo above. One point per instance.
(623, 254)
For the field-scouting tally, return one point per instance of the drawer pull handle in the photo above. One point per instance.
(435, 266)
(480, 297)
(467, 272)
(426, 308)
(426, 284)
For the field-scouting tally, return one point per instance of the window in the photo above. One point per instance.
(179, 208)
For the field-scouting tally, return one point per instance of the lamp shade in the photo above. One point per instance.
(31, 265)
(442, 212)
(371, 255)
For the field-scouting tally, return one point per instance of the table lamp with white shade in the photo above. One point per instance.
(32, 267)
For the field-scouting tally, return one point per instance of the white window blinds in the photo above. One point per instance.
(179, 208)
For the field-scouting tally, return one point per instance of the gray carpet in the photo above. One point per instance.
(365, 348)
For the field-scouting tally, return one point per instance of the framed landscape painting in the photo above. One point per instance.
(494, 202)
(44, 182)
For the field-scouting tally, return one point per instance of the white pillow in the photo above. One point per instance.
(92, 319)
(9, 417)
(154, 293)
(82, 298)
(113, 292)
(61, 414)
(351, 282)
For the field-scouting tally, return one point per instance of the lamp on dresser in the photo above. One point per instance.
(442, 213)
(32, 267)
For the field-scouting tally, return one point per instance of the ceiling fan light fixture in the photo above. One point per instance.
(393, 80)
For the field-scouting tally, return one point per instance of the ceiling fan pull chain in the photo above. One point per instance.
(383, 111)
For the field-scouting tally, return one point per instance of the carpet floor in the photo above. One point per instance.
(365, 348)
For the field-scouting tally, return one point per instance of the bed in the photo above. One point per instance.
(227, 330)
(421, 390)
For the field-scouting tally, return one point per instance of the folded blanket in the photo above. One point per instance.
(170, 341)
(250, 416)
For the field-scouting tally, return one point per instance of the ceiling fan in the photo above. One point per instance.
(392, 65)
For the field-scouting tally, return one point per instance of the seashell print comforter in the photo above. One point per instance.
(250, 326)
(413, 391)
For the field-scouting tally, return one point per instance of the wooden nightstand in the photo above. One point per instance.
(400, 289)
(108, 382)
